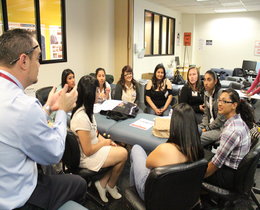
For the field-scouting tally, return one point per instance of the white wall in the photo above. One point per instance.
(90, 41)
(233, 37)
(147, 64)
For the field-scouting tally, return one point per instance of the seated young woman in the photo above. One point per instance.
(127, 88)
(67, 77)
(96, 151)
(103, 91)
(192, 93)
(235, 139)
(159, 92)
(182, 146)
(212, 121)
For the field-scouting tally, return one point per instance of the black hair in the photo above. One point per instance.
(64, 75)
(13, 43)
(86, 95)
(155, 80)
(98, 70)
(184, 132)
(243, 108)
(215, 77)
(121, 81)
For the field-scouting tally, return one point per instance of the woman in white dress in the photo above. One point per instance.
(103, 91)
(96, 151)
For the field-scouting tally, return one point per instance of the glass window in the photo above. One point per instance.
(1, 19)
(51, 29)
(148, 33)
(46, 17)
(164, 35)
(171, 36)
(21, 14)
(159, 34)
(156, 34)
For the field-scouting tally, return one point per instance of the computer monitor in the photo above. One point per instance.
(177, 60)
(249, 65)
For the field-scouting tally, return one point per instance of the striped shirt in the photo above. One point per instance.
(235, 143)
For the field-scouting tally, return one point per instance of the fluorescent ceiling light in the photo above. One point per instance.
(230, 10)
(201, 0)
(231, 4)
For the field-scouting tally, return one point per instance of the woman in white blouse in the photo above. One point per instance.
(96, 151)
(103, 91)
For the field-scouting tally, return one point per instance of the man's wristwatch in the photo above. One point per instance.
(47, 109)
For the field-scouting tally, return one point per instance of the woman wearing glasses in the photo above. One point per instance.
(235, 139)
(127, 88)
(212, 121)
(159, 92)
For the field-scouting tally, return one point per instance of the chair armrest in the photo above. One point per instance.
(133, 199)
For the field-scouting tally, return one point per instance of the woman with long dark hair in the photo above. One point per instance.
(159, 92)
(96, 151)
(183, 146)
(68, 77)
(212, 121)
(235, 140)
(103, 91)
(127, 88)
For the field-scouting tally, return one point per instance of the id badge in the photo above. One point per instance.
(194, 93)
(166, 94)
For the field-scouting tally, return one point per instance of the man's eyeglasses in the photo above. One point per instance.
(225, 102)
(26, 53)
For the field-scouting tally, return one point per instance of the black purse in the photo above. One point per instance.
(122, 111)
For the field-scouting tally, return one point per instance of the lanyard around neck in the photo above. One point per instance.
(8, 78)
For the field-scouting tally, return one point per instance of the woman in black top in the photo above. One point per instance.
(192, 93)
(159, 92)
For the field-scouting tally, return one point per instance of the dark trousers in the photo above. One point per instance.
(223, 177)
(52, 191)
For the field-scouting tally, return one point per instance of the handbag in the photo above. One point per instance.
(177, 79)
(161, 127)
(122, 111)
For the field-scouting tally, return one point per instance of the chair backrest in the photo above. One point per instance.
(235, 85)
(42, 94)
(174, 186)
(239, 72)
(244, 178)
(71, 155)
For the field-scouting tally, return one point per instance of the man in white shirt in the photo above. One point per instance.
(25, 137)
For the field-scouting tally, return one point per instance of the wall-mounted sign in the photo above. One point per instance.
(257, 48)
(187, 39)
(208, 42)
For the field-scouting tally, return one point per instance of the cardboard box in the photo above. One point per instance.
(147, 75)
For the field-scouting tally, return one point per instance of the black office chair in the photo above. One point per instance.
(235, 85)
(244, 181)
(42, 94)
(170, 187)
(71, 160)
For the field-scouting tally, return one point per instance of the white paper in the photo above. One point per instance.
(106, 105)
(243, 95)
(142, 124)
